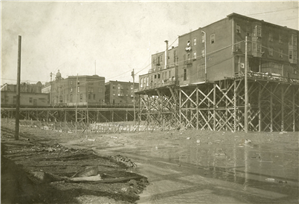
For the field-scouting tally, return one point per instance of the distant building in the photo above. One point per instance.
(24, 87)
(30, 95)
(120, 92)
(91, 90)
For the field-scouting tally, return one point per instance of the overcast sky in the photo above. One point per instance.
(110, 38)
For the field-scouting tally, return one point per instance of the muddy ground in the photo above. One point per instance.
(61, 155)
(37, 169)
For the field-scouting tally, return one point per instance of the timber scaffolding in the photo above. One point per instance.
(273, 104)
(60, 114)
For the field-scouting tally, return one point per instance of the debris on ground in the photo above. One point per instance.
(47, 172)
(124, 160)
(282, 132)
(270, 179)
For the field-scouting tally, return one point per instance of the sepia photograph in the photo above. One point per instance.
(149, 102)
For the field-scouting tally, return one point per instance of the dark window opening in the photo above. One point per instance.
(238, 29)
(291, 55)
(212, 38)
(185, 74)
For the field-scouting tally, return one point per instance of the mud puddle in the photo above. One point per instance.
(260, 172)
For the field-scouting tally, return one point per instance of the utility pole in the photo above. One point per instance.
(76, 104)
(95, 67)
(51, 87)
(18, 89)
(133, 75)
(246, 89)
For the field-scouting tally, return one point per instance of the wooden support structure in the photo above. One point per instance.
(273, 105)
(93, 115)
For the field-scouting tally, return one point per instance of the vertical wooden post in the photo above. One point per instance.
(180, 106)
(282, 108)
(18, 89)
(140, 103)
(235, 106)
(246, 90)
(260, 107)
(87, 116)
(214, 107)
(271, 109)
(226, 106)
(294, 109)
(197, 108)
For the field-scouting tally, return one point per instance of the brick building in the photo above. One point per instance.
(30, 95)
(217, 51)
(120, 92)
(91, 90)
(24, 87)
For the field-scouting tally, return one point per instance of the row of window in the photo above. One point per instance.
(120, 94)
(89, 90)
(71, 82)
(212, 39)
(121, 87)
(292, 40)
(292, 53)
(69, 98)
(30, 99)
(163, 76)
(257, 32)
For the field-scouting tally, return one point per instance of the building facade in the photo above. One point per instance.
(24, 87)
(120, 93)
(217, 51)
(90, 90)
(30, 95)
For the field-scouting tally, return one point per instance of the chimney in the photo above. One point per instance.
(166, 54)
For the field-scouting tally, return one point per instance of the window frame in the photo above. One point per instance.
(212, 38)
(185, 74)
(290, 54)
(238, 29)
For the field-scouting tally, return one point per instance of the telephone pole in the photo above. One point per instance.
(18, 89)
(246, 89)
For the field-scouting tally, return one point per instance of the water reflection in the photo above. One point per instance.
(232, 160)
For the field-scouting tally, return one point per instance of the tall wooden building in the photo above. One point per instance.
(204, 78)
